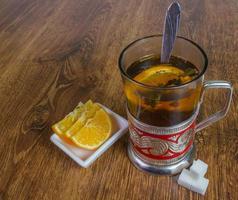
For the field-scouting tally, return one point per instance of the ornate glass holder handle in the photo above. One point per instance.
(221, 113)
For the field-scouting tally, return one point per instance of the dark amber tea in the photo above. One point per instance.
(165, 107)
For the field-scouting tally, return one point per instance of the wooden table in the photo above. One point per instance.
(54, 54)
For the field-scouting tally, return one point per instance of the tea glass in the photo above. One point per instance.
(158, 147)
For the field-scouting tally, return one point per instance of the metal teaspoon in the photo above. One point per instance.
(171, 26)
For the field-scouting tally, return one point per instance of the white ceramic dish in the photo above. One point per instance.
(86, 157)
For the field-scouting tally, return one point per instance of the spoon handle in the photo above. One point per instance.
(171, 26)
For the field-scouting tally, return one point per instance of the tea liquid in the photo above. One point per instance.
(165, 107)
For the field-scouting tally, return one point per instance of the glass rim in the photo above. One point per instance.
(123, 72)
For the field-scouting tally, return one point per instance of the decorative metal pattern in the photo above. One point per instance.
(161, 148)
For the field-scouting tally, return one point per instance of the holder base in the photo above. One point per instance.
(161, 169)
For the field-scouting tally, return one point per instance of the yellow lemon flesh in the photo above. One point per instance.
(87, 126)
(94, 132)
(63, 125)
(87, 114)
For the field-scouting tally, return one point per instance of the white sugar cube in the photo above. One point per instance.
(186, 179)
(191, 181)
(199, 167)
(200, 186)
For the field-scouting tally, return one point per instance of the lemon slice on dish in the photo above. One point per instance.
(85, 116)
(87, 126)
(63, 125)
(95, 132)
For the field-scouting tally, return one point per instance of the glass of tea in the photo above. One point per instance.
(163, 101)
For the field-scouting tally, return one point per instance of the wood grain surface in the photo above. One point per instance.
(55, 53)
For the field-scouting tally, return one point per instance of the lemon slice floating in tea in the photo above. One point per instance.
(96, 131)
(162, 75)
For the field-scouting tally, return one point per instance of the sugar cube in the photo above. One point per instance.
(200, 186)
(192, 181)
(199, 167)
(186, 179)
